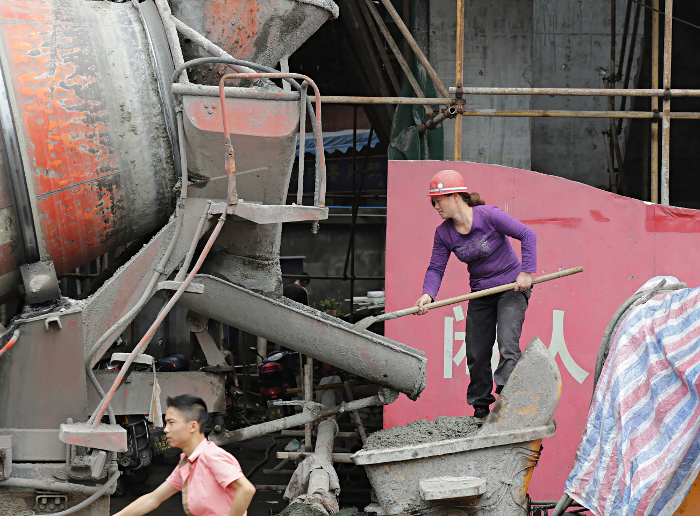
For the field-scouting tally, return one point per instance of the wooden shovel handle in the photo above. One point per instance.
(474, 295)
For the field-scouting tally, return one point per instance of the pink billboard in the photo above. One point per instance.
(620, 242)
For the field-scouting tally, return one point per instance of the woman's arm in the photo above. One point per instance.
(148, 502)
(244, 494)
(507, 225)
(436, 269)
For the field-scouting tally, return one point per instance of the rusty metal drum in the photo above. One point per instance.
(87, 161)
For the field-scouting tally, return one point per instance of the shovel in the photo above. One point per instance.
(368, 321)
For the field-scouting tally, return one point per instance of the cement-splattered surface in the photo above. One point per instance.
(422, 431)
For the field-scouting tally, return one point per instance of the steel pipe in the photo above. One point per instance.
(416, 49)
(312, 412)
(340, 99)
(394, 47)
(577, 92)
(666, 119)
(234, 92)
(577, 114)
(630, 60)
(459, 74)
(655, 102)
(345, 458)
(368, 14)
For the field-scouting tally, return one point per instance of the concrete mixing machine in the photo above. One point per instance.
(108, 136)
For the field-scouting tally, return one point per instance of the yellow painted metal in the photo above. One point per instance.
(459, 76)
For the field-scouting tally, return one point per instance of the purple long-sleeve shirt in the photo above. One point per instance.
(486, 250)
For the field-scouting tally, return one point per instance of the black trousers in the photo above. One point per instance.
(499, 315)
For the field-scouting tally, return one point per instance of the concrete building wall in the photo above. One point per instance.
(571, 48)
(539, 43)
(497, 52)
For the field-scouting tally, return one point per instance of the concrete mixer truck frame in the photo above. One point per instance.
(108, 138)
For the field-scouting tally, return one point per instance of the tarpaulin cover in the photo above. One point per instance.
(640, 452)
(339, 140)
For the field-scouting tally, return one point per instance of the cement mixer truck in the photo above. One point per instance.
(123, 120)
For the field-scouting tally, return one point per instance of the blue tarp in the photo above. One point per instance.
(339, 140)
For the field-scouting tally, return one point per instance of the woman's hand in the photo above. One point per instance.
(523, 281)
(425, 298)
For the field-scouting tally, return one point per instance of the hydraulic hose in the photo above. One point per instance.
(10, 343)
(107, 485)
(104, 405)
(118, 327)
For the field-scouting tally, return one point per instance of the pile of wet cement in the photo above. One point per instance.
(422, 431)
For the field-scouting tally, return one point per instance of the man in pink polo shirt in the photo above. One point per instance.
(210, 478)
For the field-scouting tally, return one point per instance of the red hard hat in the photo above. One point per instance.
(447, 182)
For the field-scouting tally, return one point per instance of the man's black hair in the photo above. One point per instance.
(191, 407)
(305, 277)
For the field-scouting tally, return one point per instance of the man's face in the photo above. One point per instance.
(177, 429)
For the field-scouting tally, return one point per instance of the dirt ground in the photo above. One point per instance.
(355, 490)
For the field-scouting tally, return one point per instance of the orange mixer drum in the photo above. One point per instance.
(86, 157)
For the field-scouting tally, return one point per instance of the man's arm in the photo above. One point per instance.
(152, 500)
(244, 494)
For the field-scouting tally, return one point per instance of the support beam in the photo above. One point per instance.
(459, 76)
(655, 102)
(666, 119)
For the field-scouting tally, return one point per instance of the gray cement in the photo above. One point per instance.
(422, 431)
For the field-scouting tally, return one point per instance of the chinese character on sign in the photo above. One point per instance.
(557, 346)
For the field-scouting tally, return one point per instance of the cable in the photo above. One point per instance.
(112, 480)
(10, 343)
(663, 13)
(267, 456)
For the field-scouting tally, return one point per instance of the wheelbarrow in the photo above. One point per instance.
(486, 473)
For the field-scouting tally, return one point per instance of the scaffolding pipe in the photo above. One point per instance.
(536, 113)
(625, 34)
(577, 92)
(630, 60)
(368, 4)
(459, 74)
(416, 49)
(666, 120)
(655, 102)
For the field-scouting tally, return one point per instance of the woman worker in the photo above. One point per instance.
(477, 234)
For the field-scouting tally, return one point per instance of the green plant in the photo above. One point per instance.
(331, 303)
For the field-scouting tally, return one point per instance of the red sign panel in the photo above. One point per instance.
(620, 242)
